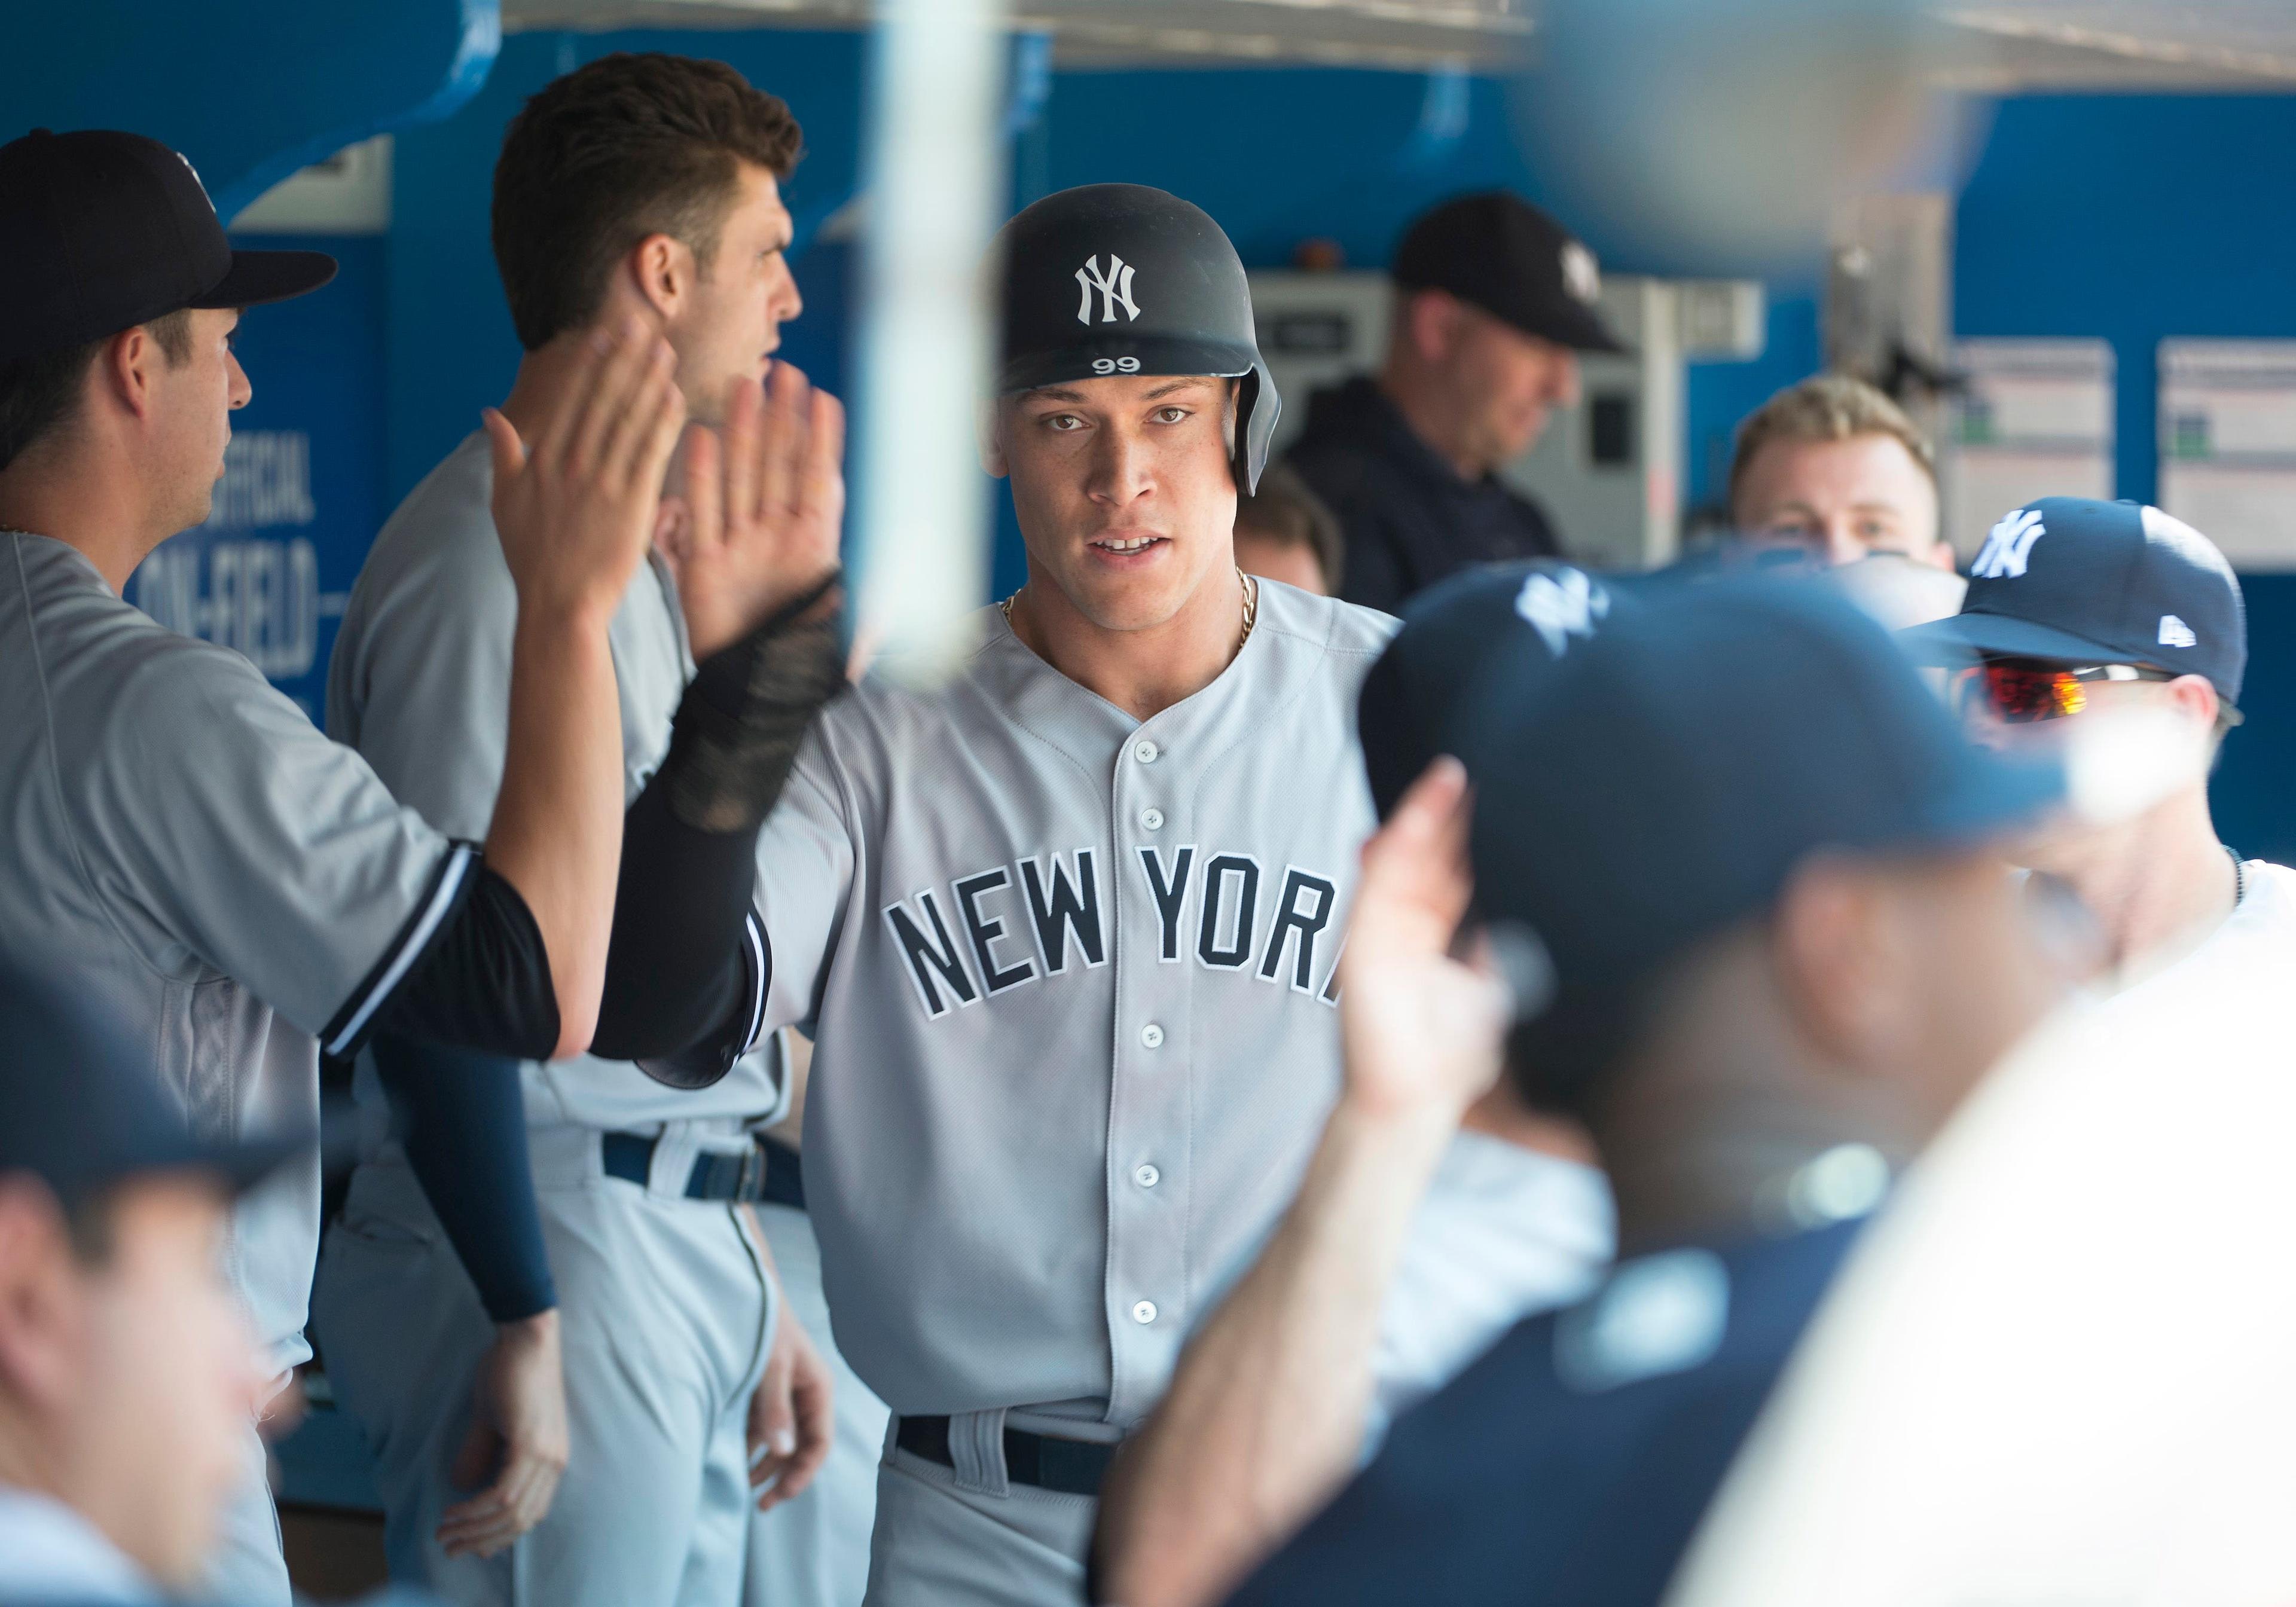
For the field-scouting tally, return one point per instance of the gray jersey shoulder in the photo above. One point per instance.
(420, 679)
(219, 831)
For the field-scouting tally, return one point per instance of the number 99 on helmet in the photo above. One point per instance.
(1122, 279)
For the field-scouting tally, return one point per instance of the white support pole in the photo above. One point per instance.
(937, 182)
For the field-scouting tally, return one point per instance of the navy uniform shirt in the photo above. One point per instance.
(1572, 1463)
(1410, 520)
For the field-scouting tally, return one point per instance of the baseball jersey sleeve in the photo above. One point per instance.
(423, 690)
(219, 827)
(805, 856)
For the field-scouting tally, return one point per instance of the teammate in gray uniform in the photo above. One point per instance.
(235, 889)
(646, 185)
(1064, 931)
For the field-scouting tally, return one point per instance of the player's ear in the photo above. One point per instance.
(1431, 318)
(126, 368)
(1832, 946)
(2194, 698)
(989, 435)
(663, 271)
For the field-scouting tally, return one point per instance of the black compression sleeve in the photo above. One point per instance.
(687, 964)
(483, 982)
(461, 1120)
(679, 992)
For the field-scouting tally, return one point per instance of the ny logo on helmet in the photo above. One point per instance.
(1115, 288)
(1562, 605)
(2009, 545)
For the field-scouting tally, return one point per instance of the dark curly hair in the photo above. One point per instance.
(628, 146)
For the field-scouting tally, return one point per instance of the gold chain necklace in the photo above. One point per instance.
(1250, 606)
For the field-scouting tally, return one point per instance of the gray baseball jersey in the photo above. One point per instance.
(1072, 982)
(420, 684)
(185, 846)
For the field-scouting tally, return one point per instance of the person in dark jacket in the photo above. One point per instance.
(1494, 301)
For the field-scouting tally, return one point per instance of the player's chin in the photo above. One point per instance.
(1131, 600)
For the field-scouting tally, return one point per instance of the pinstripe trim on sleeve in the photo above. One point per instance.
(447, 890)
(760, 956)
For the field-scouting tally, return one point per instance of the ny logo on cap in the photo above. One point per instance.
(1562, 605)
(1580, 277)
(1115, 288)
(2009, 545)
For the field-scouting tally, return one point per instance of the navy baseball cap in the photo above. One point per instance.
(1663, 780)
(1454, 633)
(1508, 258)
(114, 230)
(82, 1110)
(2075, 581)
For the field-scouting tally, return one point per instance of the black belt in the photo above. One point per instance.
(1067, 1467)
(766, 1173)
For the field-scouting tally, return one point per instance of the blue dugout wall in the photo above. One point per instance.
(2131, 218)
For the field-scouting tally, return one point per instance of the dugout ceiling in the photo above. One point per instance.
(1996, 48)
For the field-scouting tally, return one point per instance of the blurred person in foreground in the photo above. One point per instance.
(1834, 468)
(1762, 902)
(2110, 1219)
(1284, 532)
(1515, 1218)
(2079, 609)
(128, 1369)
(1494, 301)
(1941, 1441)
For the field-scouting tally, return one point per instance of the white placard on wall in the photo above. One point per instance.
(2036, 421)
(2228, 445)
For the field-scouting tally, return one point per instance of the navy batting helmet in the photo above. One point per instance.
(1109, 279)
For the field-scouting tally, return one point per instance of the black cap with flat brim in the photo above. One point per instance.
(1506, 256)
(121, 232)
(81, 1110)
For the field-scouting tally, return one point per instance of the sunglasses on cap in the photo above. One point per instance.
(2019, 691)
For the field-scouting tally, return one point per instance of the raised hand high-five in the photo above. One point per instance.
(1422, 1029)
(758, 525)
(577, 499)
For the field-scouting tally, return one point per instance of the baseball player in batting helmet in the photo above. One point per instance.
(1065, 930)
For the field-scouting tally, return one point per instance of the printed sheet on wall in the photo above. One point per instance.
(2035, 419)
(2228, 445)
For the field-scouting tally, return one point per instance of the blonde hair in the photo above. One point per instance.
(1826, 408)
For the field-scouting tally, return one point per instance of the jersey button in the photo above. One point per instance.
(1146, 1176)
(1145, 751)
(1143, 1312)
(1151, 820)
(1151, 1036)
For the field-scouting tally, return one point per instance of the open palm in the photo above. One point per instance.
(1422, 1029)
(758, 527)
